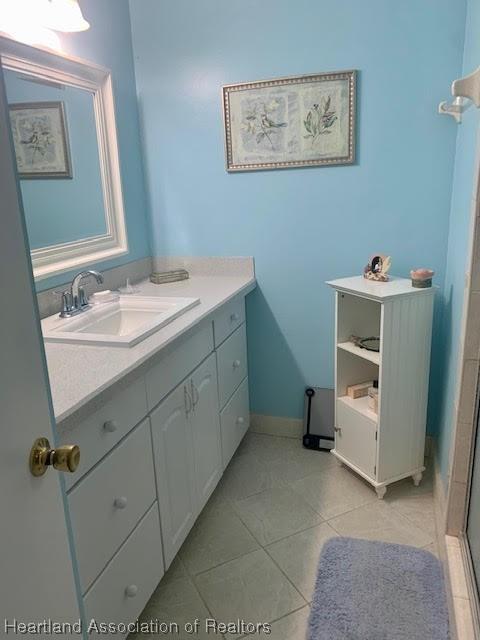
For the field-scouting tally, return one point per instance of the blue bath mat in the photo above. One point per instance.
(377, 591)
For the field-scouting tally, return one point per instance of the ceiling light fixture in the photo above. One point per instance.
(63, 15)
(22, 20)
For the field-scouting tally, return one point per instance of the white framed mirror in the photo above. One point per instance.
(62, 115)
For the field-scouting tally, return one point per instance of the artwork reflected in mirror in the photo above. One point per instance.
(56, 147)
(40, 138)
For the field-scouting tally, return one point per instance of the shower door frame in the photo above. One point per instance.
(473, 577)
(467, 411)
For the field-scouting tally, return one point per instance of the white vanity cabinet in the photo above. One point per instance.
(387, 445)
(152, 454)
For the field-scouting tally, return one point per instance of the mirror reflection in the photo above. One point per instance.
(56, 146)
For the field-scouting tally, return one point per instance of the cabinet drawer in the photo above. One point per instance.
(98, 433)
(107, 504)
(123, 589)
(356, 439)
(234, 420)
(228, 319)
(232, 364)
(178, 363)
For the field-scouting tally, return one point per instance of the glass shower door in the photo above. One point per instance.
(473, 523)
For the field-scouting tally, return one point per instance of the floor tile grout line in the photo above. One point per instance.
(305, 606)
(222, 564)
(306, 602)
(296, 533)
(261, 546)
(283, 537)
(272, 560)
(414, 524)
(287, 578)
(390, 507)
(256, 493)
(191, 578)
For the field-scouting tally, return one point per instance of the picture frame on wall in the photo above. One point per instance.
(40, 138)
(298, 121)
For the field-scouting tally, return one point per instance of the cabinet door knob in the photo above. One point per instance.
(236, 364)
(110, 426)
(120, 503)
(240, 420)
(234, 317)
(131, 591)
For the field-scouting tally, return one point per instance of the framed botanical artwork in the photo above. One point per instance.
(39, 131)
(298, 121)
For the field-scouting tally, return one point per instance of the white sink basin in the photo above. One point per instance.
(123, 322)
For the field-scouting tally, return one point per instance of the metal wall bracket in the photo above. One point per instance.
(454, 109)
(466, 91)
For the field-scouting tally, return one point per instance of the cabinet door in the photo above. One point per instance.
(355, 438)
(173, 455)
(206, 430)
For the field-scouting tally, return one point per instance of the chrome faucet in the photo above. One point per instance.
(75, 299)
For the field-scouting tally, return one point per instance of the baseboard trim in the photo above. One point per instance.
(276, 425)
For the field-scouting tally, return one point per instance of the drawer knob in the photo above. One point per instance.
(131, 591)
(110, 426)
(236, 364)
(240, 420)
(120, 503)
(234, 317)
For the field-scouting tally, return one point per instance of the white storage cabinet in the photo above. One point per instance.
(389, 445)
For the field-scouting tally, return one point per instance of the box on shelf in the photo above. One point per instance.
(359, 390)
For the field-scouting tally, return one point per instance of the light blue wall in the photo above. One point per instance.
(108, 42)
(303, 226)
(459, 244)
(63, 209)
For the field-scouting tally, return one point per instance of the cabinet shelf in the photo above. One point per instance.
(360, 405)
(371, 356)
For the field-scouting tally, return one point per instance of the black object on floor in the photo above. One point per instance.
(318, 419)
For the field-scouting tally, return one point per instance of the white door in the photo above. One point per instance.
(207, 448)
(37, 580)
(172, 448)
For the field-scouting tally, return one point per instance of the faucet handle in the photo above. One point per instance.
(82, 297)
(67, 303)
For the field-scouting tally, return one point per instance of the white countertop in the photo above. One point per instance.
(379, 290)
(79, 373)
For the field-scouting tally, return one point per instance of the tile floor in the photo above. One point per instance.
(253, 552)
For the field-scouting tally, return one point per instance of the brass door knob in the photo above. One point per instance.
(42, 456)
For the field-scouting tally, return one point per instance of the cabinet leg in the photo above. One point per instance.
(417, 478)
(381, 491)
